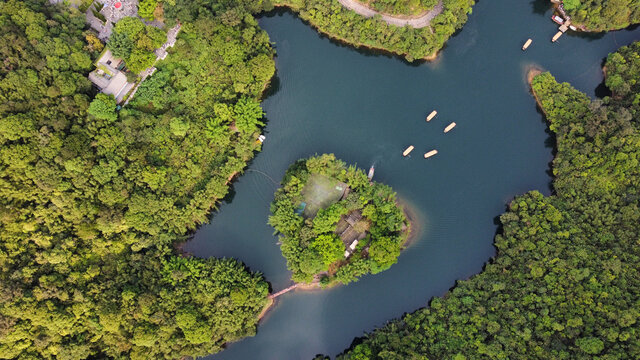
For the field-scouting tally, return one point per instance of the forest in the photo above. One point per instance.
(401, 7)
(603, 15)
(312, 222)
(134, 42)
(94, 199)
(564, 283)
(333, 19)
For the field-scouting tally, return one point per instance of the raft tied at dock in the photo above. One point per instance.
(526, 44)
(449, 127)
(432, 115)
(408, 150)
(430, 154)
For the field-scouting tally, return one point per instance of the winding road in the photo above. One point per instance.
(419, 21)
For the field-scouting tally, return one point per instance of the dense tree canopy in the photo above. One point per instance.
(313, 241)
(401, 7)
(601, 15)
(564, 284)
(134, 42)
(333, 19)
(93, 199)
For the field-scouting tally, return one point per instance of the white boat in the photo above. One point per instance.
(371, 170)
(408, 150)
(432, 115)
(261, 138)
(430, 154)
(449, 127)
(526, 44)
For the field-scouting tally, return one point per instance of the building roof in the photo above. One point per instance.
(116, 84)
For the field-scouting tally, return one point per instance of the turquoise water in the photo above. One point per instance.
(367, 108)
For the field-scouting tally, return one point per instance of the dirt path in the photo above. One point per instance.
(419, 21)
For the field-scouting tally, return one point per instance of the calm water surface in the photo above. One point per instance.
(366, 109)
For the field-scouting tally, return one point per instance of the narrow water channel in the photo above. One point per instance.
(366, 108)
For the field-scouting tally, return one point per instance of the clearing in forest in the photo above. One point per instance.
(321, 192)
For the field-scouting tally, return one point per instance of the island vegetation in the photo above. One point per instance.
(333, 19)
(564, 284)
(603, 15)
(335, 224)
(401, 7)
(94, 199)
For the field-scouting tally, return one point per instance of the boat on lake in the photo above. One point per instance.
(430, 154)
(261, 138)
(526, 44)
(408, 150)
(432, 115)
(371, 170)
(449, 127)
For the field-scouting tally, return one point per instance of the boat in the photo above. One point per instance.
(432, 115)
(261, 138)
(449, 127)
(430, 154)
(556, 36)
(526, 44)
(371, 170)
(408, 150)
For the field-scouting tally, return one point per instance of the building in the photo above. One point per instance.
(109, 78)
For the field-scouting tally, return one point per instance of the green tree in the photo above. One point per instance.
(103, 107)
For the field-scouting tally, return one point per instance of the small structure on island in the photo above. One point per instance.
(108, 76)
(526, 44)
(432, 115)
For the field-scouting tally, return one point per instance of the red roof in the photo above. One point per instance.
(117, 5)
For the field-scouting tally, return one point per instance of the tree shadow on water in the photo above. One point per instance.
(540, 7)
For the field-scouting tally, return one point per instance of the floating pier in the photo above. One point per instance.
(527, 44)
(407, 151)
(556, 36)
(432, 115)
(449, 127)
(430, 154)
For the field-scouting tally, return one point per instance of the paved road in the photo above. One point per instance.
(419, 21)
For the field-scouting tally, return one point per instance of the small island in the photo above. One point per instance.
(335, 224)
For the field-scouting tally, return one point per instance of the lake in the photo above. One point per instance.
(367, 108)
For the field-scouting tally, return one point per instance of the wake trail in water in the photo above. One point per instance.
(265, 174)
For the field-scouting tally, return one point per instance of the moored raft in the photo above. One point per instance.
(408, 150)
(449, 127)
(556, 36)
(432, 115)
(430, 154)
(526, 44)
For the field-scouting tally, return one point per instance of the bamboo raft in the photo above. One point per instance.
(449, 127)
(430, 154)
(408, 150)
(432, 115)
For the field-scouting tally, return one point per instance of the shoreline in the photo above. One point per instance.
(414, 227)
(532, 72)
(431, 57)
